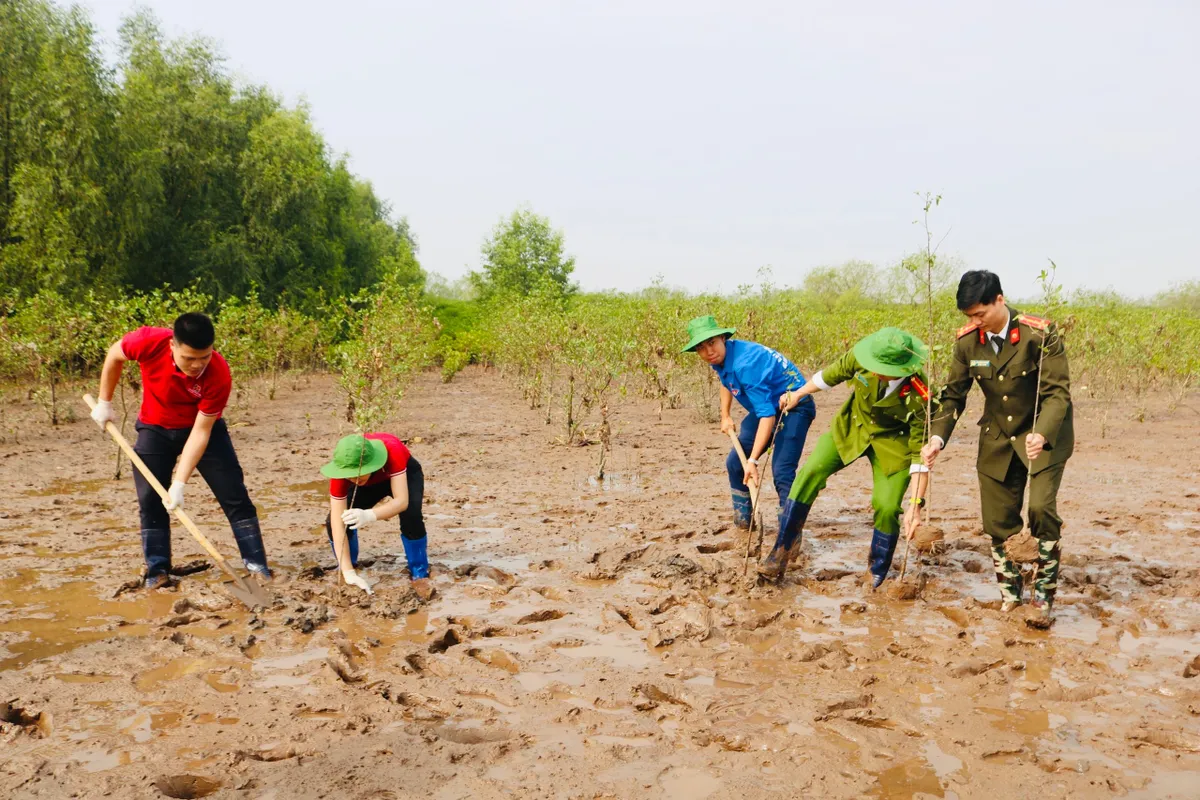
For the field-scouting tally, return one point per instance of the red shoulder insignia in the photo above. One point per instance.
(965, 329)
(920, 386)
(1037, 323)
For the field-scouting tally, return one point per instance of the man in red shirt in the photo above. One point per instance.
(365, 471)
(185, 386)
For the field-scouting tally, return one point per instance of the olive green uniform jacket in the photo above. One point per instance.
(893, 426)
(1010, 384)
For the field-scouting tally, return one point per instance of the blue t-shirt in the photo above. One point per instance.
(756, 376)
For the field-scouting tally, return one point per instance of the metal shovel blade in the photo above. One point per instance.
(254, 595)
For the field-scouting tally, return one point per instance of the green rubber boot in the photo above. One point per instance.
(1008, 575)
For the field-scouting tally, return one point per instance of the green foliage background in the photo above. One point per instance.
(164, 172)
(130, 193)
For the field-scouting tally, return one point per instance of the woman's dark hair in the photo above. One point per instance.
(195, 330)
(978, 286)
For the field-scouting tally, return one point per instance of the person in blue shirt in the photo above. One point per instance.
(755, 376)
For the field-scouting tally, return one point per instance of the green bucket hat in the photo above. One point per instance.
(355, 455)
(702, 328)
(891, 352)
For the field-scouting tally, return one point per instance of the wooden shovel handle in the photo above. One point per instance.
(136, 460)
(737, 446)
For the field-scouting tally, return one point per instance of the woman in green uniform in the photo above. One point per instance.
(884, 420)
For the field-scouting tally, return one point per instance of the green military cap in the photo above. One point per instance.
(702, 328)
(355, 455)
(891, 352)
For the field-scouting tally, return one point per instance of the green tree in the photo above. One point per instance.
(524, 253)
(168, 172)
(848, 284)
(182, 129)
(910, 281)
(282, 175)
(55, 125)
(1184, 296)
(376, 364)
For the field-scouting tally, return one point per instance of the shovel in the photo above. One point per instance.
(755, 488)
(247, 589)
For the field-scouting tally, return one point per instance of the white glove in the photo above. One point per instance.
(357, 517)
(103, 413)
(354, 579)
(174, 496)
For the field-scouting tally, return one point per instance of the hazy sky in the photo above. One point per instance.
(704, 140)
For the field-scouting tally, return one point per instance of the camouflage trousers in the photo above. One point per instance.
(1008, 574)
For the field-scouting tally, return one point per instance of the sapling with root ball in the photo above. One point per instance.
(394, 335)
(1024, 547)
(924, 270)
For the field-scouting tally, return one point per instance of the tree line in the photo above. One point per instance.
(162, 171)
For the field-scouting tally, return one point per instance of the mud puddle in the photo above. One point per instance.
(615, 482)
(66, 486)
(52, 621)
(152, 679)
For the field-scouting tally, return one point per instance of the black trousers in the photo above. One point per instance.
(412, 521)
(160, 449)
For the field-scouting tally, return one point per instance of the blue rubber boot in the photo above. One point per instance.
(418, 558)
(792, 517)
(156, 549)
(351, 542)
(742, 508)
(883, 547)
(250, 545)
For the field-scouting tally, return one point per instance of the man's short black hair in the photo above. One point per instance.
(978, 286)
(195, 330)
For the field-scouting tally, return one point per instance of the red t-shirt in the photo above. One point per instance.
(396, 464)
(171, 399)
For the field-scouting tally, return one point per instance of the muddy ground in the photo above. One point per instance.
(589, 638)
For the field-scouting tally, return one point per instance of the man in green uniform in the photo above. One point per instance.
(1025, 433)
(883, 419)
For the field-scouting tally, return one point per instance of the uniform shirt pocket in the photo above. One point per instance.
(1022, 369)
(981, 372)
(989, 428)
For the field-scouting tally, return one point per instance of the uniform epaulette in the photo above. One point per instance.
(1037, 323)
(965, 329)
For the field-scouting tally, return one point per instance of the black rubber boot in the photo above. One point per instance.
(883, 547)
(156, 549)
(250, 545)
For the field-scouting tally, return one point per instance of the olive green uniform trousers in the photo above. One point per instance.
(887, 494)
(1001, 501)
